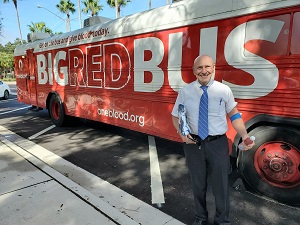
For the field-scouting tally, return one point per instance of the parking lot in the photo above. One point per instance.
(122, 158)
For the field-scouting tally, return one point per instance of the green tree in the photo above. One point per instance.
(39, 27)
(48, 30)
(7, 56)
(1, 26)
(36, 27)
(6, 62)
(18, 41)
(16, 7)
(66, 7)
(121, 3)
(93, 6)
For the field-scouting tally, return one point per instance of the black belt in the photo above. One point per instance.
(209, 138)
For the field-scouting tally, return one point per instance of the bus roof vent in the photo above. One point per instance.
(95, 20)
(34, 36)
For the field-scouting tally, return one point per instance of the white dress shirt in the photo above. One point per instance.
(220, 102)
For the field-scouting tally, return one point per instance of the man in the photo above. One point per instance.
(206, 147)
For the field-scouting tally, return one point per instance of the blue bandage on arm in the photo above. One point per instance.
(235, 116)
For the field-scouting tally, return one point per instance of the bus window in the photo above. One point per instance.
(264, 29)
(295, 43)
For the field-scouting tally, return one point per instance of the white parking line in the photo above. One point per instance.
(13, 110)
(41, 132)
(156, 182)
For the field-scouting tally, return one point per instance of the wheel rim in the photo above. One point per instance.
(55, 109)
(6, 95)
(278, 163)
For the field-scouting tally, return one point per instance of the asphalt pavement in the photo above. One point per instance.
(40, 185)
(32, 192)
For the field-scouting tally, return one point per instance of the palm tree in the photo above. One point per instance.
(92, 5)
(65, 6)
(112, 3)
(16, 7)
(79, 14)
(36, 27)
(1, 26)
(117, 9)
(48, 30)
(39, 27)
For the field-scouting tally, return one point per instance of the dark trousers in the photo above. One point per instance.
(212, 159)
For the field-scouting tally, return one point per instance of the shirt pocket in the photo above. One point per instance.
(217, 107)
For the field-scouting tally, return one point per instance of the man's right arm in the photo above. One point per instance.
(175, 123)
(184, 138)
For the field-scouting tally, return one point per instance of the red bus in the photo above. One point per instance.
(127, 72)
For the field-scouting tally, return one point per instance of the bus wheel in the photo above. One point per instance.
(272, 166)
(56, 111)
(6, 94)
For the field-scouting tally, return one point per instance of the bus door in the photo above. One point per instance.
(31, 77)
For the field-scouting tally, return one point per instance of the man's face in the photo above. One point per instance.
(203, 69)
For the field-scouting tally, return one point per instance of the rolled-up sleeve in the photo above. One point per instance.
(177, 102)
(231, 103)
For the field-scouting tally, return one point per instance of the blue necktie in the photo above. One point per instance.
(203, 114)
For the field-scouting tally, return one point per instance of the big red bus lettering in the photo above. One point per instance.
(86, 69)
(117, 66)
(50, 68)
(156, 46)
(62, 81)
(76, 59)
(174, 61)
(44, 77)
(41, 68)
(94, 69)
(265, 73)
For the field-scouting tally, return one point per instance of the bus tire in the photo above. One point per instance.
(272, 166)
(57, 111)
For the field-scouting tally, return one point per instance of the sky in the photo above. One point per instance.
(29, 12)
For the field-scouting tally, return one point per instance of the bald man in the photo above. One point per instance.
(206, 146)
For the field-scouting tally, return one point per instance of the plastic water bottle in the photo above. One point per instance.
(247, 141)
(183, 124)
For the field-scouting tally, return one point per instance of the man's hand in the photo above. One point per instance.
(246, 145)
(187, 139)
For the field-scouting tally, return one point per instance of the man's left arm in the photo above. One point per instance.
(238, 124)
